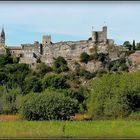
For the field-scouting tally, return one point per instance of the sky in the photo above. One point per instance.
(26, 22)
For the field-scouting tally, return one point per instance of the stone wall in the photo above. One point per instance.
(70, 50)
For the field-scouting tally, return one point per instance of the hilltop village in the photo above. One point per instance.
(47, 51)
(57, 81)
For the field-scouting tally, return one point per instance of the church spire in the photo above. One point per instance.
(2, 36)
(3, 33)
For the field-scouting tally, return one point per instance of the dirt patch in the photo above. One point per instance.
(8, 117)
(80, 117)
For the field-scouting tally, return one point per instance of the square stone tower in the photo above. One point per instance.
(100, 36)
(46, 40)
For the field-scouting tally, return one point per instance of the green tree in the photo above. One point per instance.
(32, 84)
(114, 96)
(55, 81)
(127, 45)
(134, 45)
(5, 59)
(138, 46)
(60, 65)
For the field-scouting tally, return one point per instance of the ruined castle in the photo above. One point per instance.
(47, 50)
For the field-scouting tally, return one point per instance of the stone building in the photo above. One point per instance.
(71, 50)
(101, 36)
(47, 51)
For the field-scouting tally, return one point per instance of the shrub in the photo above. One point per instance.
(84, 57)
(86, 74)
(32, 83)
(60, 65)
(15, 59)
(134, 116)
(93, 56)
(42, 68)
(55, 81)
(3, 78)
(5, 59)
(48, 106)
(118, 65)
(8, 102)
(79, 94)
(102, 57)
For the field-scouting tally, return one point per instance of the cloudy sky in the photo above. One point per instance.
(25, 22)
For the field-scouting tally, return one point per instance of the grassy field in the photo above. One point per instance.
(94, 129)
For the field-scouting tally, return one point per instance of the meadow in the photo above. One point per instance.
(70, 129)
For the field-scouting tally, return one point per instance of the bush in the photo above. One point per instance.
(93, 56)
(32, 84)
(60, 65)
(55, 81)
(42, 69)
(48, 106)
(5, 59)
(3, 78)
(79, 94)
(134, 116)
(86, 74)
(118, 65)
(102, 57)
(15, 59)
(8, 102)
(84, 57)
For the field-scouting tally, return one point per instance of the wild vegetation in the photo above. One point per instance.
(56, 92)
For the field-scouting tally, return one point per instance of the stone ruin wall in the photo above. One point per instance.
(71, 52)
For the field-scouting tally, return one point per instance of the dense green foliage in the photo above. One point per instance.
(114, 95)
(134, 116)
(84, 57)
(60, 65)
(57, 92)
(118, 65)
(19, 80)
(55, 81)
(48, 106)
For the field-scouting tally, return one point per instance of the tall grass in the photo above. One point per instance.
(83, 129)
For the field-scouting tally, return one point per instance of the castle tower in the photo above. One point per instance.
(46, 40)
(94, 36)
(105, 33)
(2, 38)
